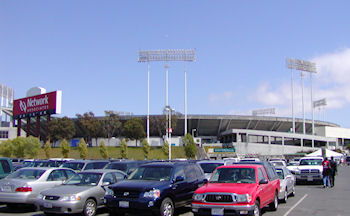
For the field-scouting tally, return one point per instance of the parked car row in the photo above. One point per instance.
(158, 187)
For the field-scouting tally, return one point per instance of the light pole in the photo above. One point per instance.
(193, 130)
(185, 55)
(303, 66)
(168, 110)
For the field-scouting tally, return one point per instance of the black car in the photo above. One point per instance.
(156, 188)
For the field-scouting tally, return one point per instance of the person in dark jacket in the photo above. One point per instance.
(334, 170)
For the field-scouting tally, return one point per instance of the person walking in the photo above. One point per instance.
(334, 170)
(326, 172)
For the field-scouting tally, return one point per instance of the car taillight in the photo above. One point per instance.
(24, 189)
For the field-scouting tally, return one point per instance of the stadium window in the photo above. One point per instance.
(276, 140)
(4, 134)
(307, 143)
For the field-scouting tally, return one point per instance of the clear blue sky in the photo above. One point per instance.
(89, 50)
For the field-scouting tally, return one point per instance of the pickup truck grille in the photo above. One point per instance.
(219, 198)
(316, 171)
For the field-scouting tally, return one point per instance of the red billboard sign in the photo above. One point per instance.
(49, 103)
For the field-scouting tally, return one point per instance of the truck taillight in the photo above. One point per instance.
(24, 189)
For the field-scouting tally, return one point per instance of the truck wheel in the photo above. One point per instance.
(257, 210)
(167, 207)
(274, 205)
(90, 208)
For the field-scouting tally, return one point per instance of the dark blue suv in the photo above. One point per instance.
(157, 188)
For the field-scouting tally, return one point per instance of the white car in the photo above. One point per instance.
(287, 183)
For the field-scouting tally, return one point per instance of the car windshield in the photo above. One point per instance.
(151, 173)
(83, 179)
(118, 166)
(280, 173)
(26, 174)
(39, 164)
(209, 167)
(233, 175)
(311, 162)
(74, 166)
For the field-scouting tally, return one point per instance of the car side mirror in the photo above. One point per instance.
(179, 178)
(205, 181)
(263, 181)
(104, 184)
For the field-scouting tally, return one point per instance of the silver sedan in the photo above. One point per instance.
(84, 193)
(287, 183)
(24, 185)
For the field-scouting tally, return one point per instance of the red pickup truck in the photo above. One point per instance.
(241, 189)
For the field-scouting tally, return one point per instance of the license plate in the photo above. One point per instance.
(217, 211)
(123, 204)
(47, 205)
(309, 178)
(6, 188)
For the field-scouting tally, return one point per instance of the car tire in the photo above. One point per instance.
(293, 191)
(167, 207)
(257, 210)
(285, 197)
(90, 208)
(274, 205)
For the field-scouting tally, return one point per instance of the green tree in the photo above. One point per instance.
(61, 128)
(111, 124)
(123, 149)
(165, 148)
(134, 130)
(82, 148)
(47, 149)
(19, 147)
(159, 123)
(65, 148)
(348, 146)
(32, 146)
(103, 150)
(190, 146)
(146, 148)
(90, 126)
(6, 148)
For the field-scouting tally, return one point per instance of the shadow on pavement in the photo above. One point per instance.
(16, 209)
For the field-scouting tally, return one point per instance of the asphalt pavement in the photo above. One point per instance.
(309, 200)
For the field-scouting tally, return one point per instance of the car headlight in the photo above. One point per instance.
(109, 192)
(70, 198)
(154, 193)
(198, 197)
(297, 172)
(243, 198)
(40, 196)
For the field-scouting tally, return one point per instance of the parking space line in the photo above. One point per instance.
(295, 205)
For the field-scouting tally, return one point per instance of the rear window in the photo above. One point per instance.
(26, 174)
(209, 167)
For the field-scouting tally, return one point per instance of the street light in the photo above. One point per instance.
(302, 66)
(320, 103)
(168, 110)
(193, 130)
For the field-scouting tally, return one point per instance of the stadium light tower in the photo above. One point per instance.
(302, 66)
(185, 55)
(320, 103)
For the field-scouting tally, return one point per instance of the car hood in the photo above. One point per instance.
(139, 185)
(303, 167)
(238, 188)
(66, 190)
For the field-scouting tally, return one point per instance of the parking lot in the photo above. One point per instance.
(309, 200)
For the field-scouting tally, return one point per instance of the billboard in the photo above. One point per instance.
(49, 103)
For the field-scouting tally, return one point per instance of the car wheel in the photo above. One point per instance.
(285, 197)
(274, 205)
(257, 210)
(167, 207)
(90, 208)
(293, 191)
